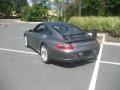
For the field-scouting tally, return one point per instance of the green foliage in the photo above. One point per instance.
(34, 13)
(69, 11)
(5, 7)
(90, 7)
(100, 7)
(17, 5)
(37, 12)
(102, 24)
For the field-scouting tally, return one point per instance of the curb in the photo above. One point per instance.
(19, 21)
(112, 43)
(98, 34)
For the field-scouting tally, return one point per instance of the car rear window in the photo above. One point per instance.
(67, 29)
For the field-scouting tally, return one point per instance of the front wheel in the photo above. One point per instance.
(44, 54)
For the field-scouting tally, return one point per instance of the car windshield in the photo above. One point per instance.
(68, 29)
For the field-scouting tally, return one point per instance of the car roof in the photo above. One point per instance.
(55, 23)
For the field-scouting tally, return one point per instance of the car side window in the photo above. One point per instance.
(47, 31)
(39, 28)
(43, 30)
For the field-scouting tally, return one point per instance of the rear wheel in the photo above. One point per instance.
(26, 41)
(44, 54)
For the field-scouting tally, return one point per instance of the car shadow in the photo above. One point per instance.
(71, 64)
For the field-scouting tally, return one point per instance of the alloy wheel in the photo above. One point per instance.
(44, 54)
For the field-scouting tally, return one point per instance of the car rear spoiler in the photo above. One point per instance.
(68, 40)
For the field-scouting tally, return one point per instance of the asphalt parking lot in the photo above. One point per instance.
(22, 69)
(109, 70)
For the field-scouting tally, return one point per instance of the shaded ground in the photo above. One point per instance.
(109, 38)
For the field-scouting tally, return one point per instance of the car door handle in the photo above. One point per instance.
(43, 36)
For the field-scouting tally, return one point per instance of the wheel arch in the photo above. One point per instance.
(45, 45)
(42, 43)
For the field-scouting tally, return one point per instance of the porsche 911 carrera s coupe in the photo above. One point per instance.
(60, 41)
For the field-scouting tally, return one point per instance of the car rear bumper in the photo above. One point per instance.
(89, 55)
(74, 59)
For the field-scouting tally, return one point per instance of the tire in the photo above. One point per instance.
(44, 54)
(26, 41)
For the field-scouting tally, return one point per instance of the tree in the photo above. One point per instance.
(101, 7)
(72, 8)
(90, 7)
(113, 7)
(59, 7)
(5, 8)
(37, 12)
(78, 7)
(18, 4)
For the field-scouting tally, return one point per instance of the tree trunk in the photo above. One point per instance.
(79, 7)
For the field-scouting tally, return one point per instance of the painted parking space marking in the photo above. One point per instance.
(3, 25)
(18, 51)
(96, 68)
(112, 63)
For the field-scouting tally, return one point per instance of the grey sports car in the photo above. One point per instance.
(61, 41)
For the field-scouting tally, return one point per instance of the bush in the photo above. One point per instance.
(34, 13)
(102, 24)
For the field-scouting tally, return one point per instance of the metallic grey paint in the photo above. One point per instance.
(83, 49)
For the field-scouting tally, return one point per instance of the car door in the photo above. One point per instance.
(36, 36)
(44, 35)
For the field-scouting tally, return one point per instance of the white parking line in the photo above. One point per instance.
(113, 63)
(3, 25)
(18, 51)
(112, 43)
(96, 68)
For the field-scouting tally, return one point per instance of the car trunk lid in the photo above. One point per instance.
(83, 40)
(77, 37)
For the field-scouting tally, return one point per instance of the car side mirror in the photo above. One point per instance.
(94, 33)
(39, 30)
(30, 30)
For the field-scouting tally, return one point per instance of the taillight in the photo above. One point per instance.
(64, 46)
